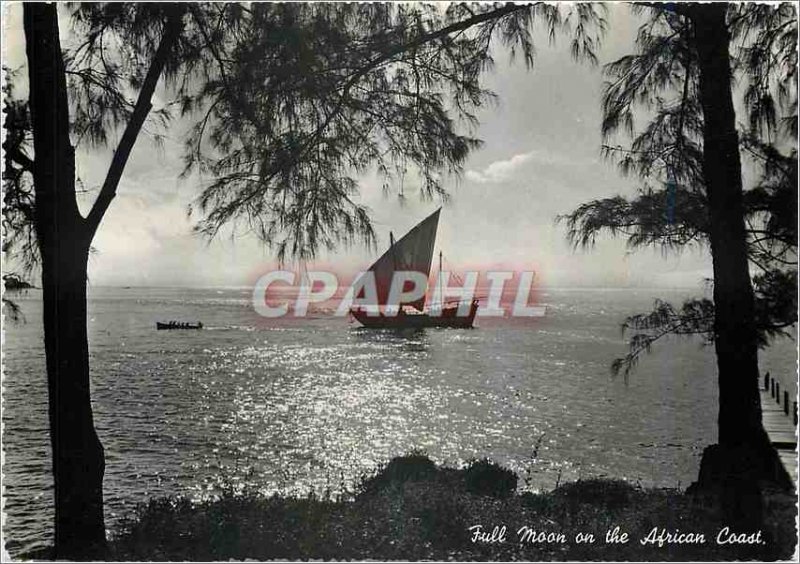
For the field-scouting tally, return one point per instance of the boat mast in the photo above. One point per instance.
(391, 247)
(440, 282)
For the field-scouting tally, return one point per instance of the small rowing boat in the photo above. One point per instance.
(177, 325)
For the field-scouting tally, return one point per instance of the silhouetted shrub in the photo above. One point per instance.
(426, 513)
(415, 466)
(484, 477)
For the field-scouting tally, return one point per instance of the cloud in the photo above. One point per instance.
(505, 170)
(499, 171)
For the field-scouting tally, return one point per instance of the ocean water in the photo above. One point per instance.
(300, 405)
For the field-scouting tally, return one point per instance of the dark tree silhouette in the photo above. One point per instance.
(292, 100)
(64, 237)
(682, 74)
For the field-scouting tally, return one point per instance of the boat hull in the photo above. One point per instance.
(171, 327)
(447, 318)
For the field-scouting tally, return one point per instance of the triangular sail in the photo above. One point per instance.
(414, 252)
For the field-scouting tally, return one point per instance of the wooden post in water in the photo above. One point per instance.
(772, 388)
(766, 381)
(786, 403)
(778, 392)
(795, 413)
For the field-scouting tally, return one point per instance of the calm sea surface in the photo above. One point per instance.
(310, 405)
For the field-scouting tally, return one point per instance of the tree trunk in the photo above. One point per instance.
(735, 335)
(744, 449)
(78, 461)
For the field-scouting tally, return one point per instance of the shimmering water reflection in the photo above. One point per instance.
(310, 405)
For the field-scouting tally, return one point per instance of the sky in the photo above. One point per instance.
(540, 158)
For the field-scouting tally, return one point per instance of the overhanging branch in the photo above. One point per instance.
(140, 111)
(375, 63)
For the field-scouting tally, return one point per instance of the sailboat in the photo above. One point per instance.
(413, 252)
